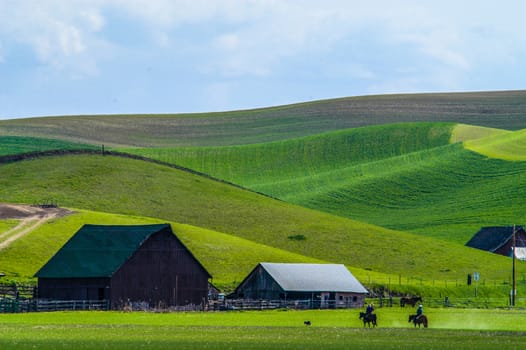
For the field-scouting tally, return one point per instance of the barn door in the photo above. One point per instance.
(325, 300)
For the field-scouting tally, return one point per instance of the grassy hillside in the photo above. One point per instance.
(227, 258)
(509, 146)
(263, 165)
(447, 193)
(504, 110)
(14, 145)
(463, 132)
(132, 187)
(401, 176)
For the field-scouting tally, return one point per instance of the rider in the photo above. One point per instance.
(370, 309)
(419, 311)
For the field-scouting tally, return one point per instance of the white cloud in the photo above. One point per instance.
(60, 33)
(406, 45)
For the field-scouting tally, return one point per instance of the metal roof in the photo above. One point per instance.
(314, 277)
(98, 250)
(492, 238)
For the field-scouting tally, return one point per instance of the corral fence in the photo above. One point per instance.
(17, 291)
(9, 305)
(399, 281)
(244, 304)
(454, 302)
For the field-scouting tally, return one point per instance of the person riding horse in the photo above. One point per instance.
(370, 309)
(419, 311)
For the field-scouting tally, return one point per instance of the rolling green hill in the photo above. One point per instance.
(262, 165)
(133, 187)
(10, 145)
(406, 177)
(389, 185)
(227, 258)
(503, 110)
(509, 146)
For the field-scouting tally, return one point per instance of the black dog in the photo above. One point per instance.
(306, 323)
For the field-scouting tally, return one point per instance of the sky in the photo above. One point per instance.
(78, 57)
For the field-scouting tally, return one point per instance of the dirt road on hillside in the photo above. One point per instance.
(31, 217)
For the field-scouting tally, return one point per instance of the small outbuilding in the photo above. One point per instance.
(124, 265)
(320, 285)
(499, 240)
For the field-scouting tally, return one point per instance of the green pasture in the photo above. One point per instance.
(261, 166)
(509, 146)
(405, 177)
(6, 225)
(447, 193)
(334, 329)
(466, 133)
(16, 144)
(137, 188)
(228, 258)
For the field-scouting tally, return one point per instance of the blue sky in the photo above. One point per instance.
(168, 56)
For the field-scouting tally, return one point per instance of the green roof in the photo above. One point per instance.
(98, 250)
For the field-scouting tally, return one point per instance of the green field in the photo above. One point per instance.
(228, 258)
(406, 177)
(15, 145)
(449, 329)
(392, 186)
(509, 146)
(132, 187)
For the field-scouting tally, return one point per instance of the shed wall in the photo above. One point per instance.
(260, 285)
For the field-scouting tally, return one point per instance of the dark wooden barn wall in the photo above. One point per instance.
(74, 288)
(260, 285)
(161, 272)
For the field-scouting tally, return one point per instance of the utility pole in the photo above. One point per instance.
(513, 290)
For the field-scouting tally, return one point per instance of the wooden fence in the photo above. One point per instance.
(243, 304)
(17, 291)
(9, 305)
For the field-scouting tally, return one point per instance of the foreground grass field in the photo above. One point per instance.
(334, 329)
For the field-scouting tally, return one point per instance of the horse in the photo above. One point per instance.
(368, 318)
(410, 300)
(418, 321)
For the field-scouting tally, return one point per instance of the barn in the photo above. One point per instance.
(322, 285)
(499, 240)
(145, 264)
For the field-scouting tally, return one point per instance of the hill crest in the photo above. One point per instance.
(500, 109)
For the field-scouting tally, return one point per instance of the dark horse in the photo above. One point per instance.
(410, 300)
(418, 321)
(368, 318)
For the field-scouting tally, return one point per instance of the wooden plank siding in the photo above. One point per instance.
(159, 271)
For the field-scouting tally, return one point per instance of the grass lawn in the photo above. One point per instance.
(331, 329)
